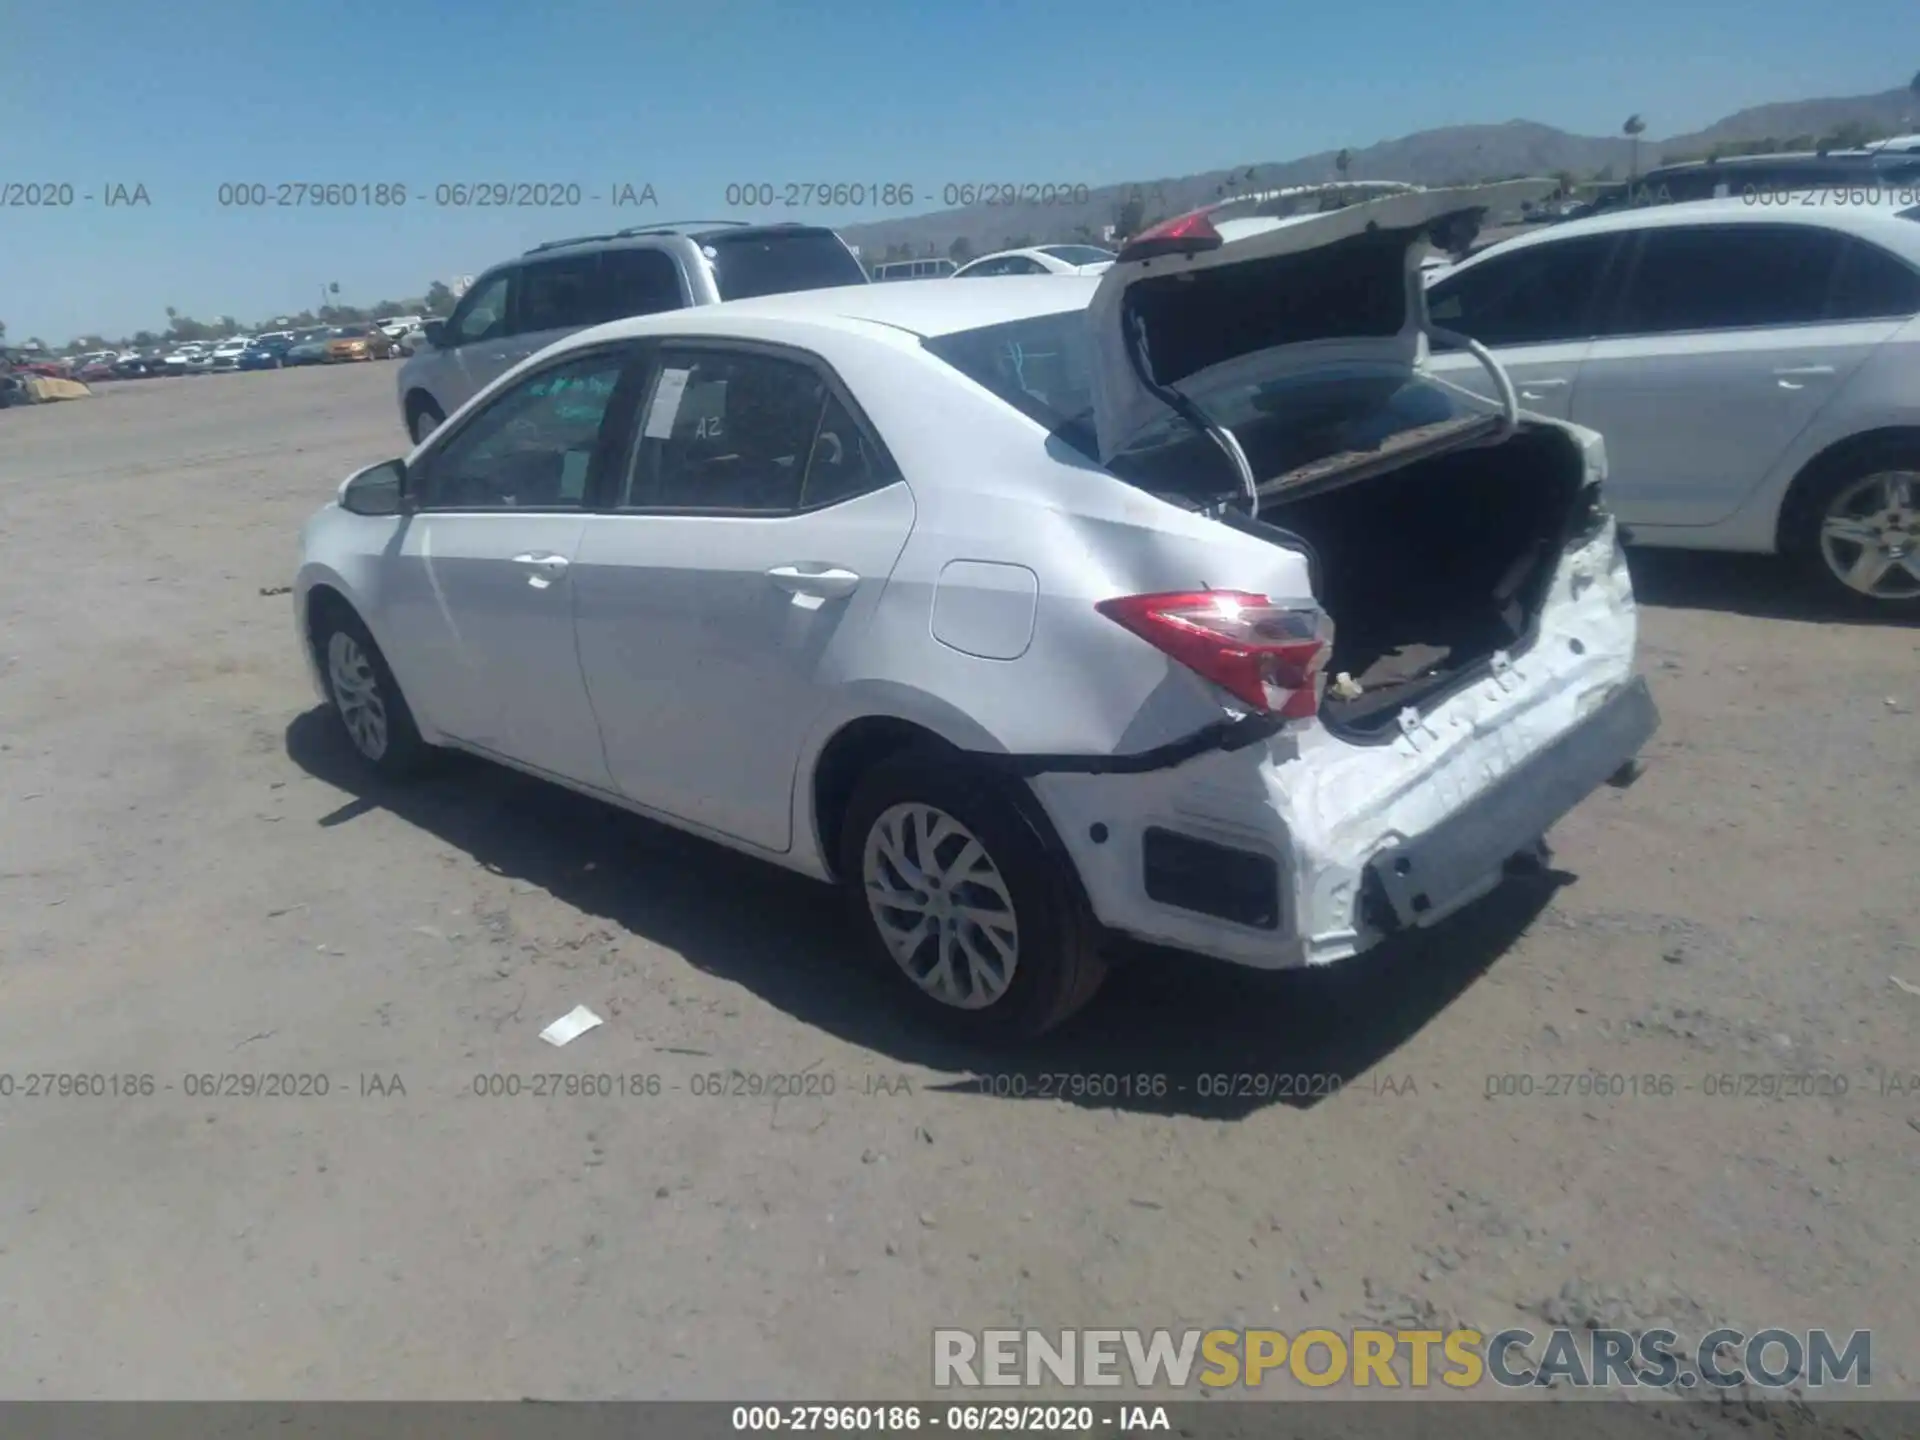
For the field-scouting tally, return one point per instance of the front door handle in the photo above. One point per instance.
(1531, 388)
(827, 582)
(545, 567)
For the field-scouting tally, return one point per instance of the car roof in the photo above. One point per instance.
(645, 236)
(921, 310)
(1871, 218)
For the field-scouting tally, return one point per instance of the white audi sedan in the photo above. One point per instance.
(1178, 603)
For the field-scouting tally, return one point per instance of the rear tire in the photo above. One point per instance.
(367, 701)
(958, 896)
(1858, 516)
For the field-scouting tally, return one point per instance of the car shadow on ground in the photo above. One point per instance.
(1225, 1042)
(1762, 586)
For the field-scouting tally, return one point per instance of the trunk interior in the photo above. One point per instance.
(1429, 569)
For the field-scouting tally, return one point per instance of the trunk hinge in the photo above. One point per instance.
(1415, 728)
(1504, 675)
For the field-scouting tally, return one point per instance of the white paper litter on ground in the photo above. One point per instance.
(571, 1026)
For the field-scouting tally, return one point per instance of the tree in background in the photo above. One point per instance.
(960, 251)
(1343, 162)
(1633, 130)
(1128, 215)
(439, 299)
(3, 332)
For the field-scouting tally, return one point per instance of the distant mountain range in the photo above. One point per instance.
(1453, 155)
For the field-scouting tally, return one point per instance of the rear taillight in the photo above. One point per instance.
(1183, 235)
(1271, 656)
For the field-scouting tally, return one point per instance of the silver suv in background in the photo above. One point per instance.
(527, 303)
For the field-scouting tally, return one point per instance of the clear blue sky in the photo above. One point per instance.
(183, 95)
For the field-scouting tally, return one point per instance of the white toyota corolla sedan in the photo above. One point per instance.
(1179, 603)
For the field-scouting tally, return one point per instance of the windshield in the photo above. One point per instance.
(1077, 254)
(773, 263)
(1292, 427)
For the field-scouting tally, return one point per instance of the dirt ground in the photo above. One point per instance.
(195, 882)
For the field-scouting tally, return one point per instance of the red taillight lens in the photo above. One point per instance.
(1183, 235)
(1271, 656)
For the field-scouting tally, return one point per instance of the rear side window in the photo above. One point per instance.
(775, 262)
(1873, 285)
(1531, 296)
(637, 282)
(726, 431)
(1728, 277)
(558, 294)
(1041, 366)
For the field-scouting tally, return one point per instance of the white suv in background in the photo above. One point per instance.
(1754, 369)
(554, 289)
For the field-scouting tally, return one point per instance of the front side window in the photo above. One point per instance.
(531, 447)
(1535, 295)
(747, 433)
(558, 294)
(483, 313)
(1728, 277)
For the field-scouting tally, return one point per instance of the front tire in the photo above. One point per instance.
(958, 895)
(1855, 529)
(366, 698)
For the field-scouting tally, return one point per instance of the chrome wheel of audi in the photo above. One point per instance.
(1870, 536)
(356, 693)
(941, 905)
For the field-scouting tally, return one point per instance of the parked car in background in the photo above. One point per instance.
(267, 352)
(397, 327)
(1754, 369)
(360, 341)
(98, 369)
(1039, 260)
(310, 347)
(226, 355)
(184, 359)
(1761, 178)
(923, 269)
(940, 592)
(526, 304)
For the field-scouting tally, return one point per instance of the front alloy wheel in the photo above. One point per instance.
(356, 694)
(941, 906)
(1870, 536)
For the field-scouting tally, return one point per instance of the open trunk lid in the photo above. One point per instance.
(1262, 286)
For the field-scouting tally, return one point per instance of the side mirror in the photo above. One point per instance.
(377, 490)
(433, 329)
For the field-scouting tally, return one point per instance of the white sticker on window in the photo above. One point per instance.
(666, 404)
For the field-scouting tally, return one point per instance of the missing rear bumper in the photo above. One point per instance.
(1419, 878)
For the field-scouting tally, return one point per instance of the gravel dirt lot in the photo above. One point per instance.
(196, 881)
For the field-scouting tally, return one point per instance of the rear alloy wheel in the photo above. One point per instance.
(366, 699)
(1870, 536)
(960, 897)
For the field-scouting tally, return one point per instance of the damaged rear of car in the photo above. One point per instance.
(1414, 619)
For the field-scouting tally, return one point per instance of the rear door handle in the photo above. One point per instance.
(827, 582)
(1791, 377)
(545, 567)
